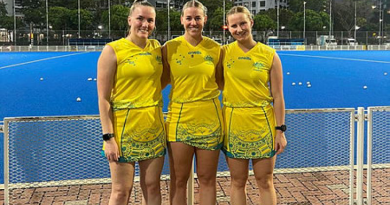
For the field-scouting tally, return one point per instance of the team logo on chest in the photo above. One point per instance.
(159, 59)
(208, 59)
(258, 66)
(131, 61)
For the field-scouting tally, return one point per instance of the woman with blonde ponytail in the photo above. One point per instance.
(130, 105)
(194, 122)
(254, 109)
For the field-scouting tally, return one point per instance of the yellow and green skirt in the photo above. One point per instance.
(250, 132)
(198, 124)
(139, 133)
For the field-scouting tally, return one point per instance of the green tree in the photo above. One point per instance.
(34, 12)
(216, 22)
(5, 21)
(263, 22)
(315, 5)
(315, 21)
(59, 18)
(86, 19)
(285, 16)
(119, 16)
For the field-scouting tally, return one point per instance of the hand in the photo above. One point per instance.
(111, 150)
(280, 142)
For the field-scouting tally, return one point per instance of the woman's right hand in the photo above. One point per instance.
(111, 150)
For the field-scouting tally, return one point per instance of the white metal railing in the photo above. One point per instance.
(51, 48)
(378, 142)
(338, 124)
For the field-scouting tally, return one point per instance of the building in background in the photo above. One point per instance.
(10, 9)
(256, 6)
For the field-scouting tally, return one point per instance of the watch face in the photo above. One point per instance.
(282, 128)
(107, 136)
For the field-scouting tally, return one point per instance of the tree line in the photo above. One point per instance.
(63, 15)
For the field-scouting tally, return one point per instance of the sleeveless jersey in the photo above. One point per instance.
(137, 79)
(247, 76)
(193, 69)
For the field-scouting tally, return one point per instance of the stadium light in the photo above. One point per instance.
(330, 19)
(78, 11)
(380, 22)
(224, 23)
(14, 23)
(277, 12)
(109, 19)
(304, 19)
(355, 23)
(47, 23)
(169, 24)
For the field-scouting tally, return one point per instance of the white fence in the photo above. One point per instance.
(56, 151)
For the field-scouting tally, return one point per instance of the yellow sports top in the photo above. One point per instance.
(138, 75)
(247, 75)
(193, 69)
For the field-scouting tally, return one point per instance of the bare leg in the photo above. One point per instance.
(263, 169)
(122, 177)
(180, 162)
(150, 180)
(206, 168)
(239, 170)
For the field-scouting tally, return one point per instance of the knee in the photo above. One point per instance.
(207, 179)
(152, 186)
(179, 181)
(120, 193)
(265, 182)
(239, 182)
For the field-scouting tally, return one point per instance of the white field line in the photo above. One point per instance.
(335, 58)
(44, 59)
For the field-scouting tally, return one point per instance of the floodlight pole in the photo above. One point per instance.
(79, 17)
(14, 22)
(47, 23)
(224, 22)
(109, 19)
(304, 19)
(330, 19)
(355, 22)
(277, 16)
(169, 24)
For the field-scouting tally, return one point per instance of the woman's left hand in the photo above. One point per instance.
(280, 142)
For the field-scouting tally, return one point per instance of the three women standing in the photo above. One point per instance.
(129, 87)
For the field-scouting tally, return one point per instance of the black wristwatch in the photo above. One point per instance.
(108, 136)
(282, 128)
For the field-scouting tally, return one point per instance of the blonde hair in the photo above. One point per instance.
(196, 4)
(239, 9)
(139, 3)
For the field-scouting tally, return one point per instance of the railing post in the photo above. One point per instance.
(190, 185)
(360, 152)
(6, 166)
(352, 159)
(369, 155)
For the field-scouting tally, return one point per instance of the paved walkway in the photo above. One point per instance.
(311, 188)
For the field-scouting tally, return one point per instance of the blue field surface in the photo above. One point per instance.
(337, 79)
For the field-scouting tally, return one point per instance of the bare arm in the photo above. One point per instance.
(105, 79)
(219, 71)
(276, 78)
(166, 75)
